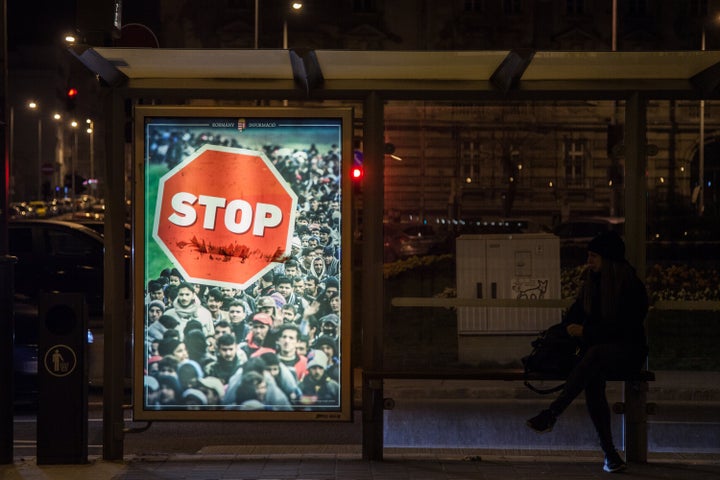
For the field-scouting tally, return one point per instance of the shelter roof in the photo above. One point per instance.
(449, 75)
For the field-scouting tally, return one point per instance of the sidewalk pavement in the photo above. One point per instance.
(326, 462)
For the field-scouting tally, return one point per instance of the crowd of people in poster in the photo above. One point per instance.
(273, 345)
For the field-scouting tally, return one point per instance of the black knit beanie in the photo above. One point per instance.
(608, 245)
(168, 345)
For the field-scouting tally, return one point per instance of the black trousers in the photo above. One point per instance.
(599, 363)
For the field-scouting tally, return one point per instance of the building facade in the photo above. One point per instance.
(460, 160)
(545, 160)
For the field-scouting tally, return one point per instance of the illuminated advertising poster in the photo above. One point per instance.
(240, 264)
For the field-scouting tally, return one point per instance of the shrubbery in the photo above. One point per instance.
(673, 282)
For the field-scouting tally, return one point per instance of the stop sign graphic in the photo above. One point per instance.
(224, 216)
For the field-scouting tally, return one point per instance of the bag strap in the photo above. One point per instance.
(544, 391)
(541, 391)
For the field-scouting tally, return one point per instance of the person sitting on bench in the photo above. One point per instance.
(608, 315)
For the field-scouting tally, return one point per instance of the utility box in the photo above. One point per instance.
(62, 417)
(505, 266)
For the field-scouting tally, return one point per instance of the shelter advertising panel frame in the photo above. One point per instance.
(181, 162)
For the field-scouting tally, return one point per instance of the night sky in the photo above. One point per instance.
(39, 22)
(44, 22)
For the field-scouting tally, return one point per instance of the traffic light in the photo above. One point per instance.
(356, 173)
(71, 94)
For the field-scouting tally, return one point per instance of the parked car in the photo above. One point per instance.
(576, 233)
(14, 212)
(407, 240)
(63, 205)
(526, 225)
(96, 224)
(688, 239)
(22, 210)
(489, 227)
(584, 229)
(55, 256)
(40, 207)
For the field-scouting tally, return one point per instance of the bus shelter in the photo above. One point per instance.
(309, 78)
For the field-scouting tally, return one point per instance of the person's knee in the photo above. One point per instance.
(601, 351)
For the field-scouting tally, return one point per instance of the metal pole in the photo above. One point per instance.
(39, 159)
(285, 46)
(285, 35)
(6, 264)
(257, 22)
(635, 224)
(59, 158)
(11, 142)
(115, 303)
(614, 25)
(74, 165)
(701, 147)
(92, 152)
(635, 181)
(372, 283)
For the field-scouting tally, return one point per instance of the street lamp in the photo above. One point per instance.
(295, 7)
(33, 105)
(57, 160)
(74, 126)
(91, 131)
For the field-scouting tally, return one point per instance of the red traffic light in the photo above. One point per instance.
(356, 173)
(71, 95)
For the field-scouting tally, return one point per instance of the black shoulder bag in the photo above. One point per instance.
(554, 353)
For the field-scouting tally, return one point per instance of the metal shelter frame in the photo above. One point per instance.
(165, 75)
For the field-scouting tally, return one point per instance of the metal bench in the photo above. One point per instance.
(634, 409)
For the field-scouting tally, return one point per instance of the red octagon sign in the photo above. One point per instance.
(224, 216)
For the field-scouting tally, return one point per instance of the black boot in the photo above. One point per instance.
(543, 422)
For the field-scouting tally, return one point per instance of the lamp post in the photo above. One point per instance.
(57, 178)
(295, 7)
(11, 155)
(74, 125)
(91, 131)
(257, 23)
(32, 105)
(701, 151)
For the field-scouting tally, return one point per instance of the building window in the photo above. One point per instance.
(511, 7)
(575, 7)
(575, 159)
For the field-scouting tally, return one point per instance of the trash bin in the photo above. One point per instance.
(62, 428)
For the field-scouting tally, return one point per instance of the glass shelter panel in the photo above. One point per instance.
(683, 236)
(467, 184)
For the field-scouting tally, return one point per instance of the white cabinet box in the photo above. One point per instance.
(517, 266)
